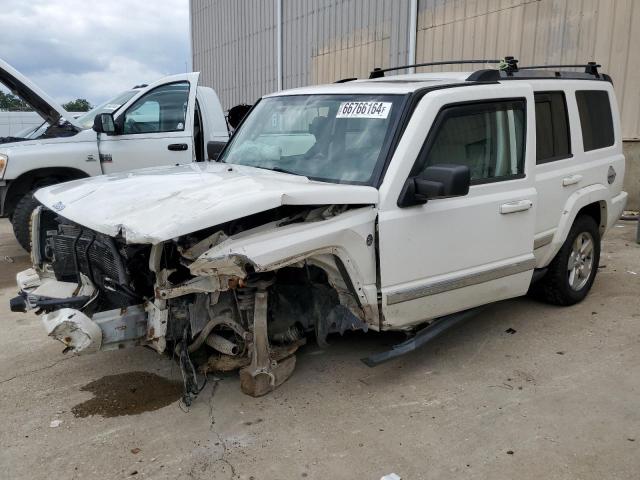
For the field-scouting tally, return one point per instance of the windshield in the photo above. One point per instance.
(334, 138)
(109, 106)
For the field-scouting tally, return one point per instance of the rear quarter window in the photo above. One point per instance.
(552, 127)
(595, 119)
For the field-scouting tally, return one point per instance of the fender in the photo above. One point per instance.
(578, 200)
(270, 247)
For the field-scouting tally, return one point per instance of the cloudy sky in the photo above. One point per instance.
(94, 49)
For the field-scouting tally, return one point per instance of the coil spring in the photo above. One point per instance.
(246, 298)
(246, 295)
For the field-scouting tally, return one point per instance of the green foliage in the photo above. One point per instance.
(11, 103)
(77, 105)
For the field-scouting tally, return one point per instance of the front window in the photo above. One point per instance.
(162, 109)
(110, 106)
(333, 138)
(488, 137)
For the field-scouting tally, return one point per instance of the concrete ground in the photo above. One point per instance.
(559, 398)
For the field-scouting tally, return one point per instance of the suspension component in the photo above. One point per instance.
(264, 373)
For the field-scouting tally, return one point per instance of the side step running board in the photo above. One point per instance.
(423, 336)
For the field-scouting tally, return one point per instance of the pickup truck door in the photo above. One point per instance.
(155, 127)
(452, 254)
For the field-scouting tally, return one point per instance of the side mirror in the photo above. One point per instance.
(104, 123)
(214, 149)
(437, 181)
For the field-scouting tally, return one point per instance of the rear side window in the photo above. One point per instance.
(552, 127)
(595, 119)
(487, 137)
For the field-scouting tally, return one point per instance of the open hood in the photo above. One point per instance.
(156, 204)
(42, 103)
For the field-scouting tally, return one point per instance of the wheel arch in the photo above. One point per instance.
(31, 179)
(590, 201)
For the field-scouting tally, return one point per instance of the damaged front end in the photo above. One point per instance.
(243, 295)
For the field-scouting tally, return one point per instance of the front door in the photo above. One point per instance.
(452, 254)
(154, 128)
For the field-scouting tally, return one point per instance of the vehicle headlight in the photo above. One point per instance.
(3, 164)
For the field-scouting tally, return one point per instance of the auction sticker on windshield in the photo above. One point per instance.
(364, 110)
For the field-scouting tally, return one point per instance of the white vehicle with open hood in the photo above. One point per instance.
(168, 122)
(394, 203)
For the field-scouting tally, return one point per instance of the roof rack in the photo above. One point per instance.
(508, 69)
(534, 72)
(379, 72)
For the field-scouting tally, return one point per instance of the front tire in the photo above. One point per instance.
(573, 270)
(21, 220)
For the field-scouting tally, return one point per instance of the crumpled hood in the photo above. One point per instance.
(156, 204)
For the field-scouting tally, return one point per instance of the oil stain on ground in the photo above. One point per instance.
(128, 394)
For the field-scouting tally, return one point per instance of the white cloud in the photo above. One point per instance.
(93, 50)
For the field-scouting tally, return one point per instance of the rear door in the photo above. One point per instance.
(156, 127)
(558, 173)
(452, 254)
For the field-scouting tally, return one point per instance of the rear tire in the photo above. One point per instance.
(572, 272)
(21, 220)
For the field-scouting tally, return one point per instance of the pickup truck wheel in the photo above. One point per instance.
(573, 270)
(21, 220)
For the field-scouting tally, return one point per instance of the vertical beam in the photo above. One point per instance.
(279, 41)
(190, 35)
(413, 31)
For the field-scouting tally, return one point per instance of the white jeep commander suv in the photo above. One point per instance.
(392, 203)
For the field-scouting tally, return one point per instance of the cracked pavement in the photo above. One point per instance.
(557, 398)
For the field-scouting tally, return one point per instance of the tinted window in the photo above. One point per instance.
(163, 109)
(487, 137)
(595, 119)
(552, 127)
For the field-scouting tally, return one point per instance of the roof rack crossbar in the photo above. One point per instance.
(379, 72)
(591, 67)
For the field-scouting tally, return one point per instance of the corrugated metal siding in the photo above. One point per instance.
(234, 47)
(326, 40)
(234, 41)
(540, 32)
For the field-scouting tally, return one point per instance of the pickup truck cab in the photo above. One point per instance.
(166, 123)
(394, 203)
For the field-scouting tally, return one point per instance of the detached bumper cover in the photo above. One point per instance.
(81, 334)
(78, 332)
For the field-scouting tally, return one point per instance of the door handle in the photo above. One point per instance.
(513, 207)
(178, 147)
(571, 180)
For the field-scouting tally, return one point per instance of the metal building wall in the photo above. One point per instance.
(325, 40)
(234, 47)
(541, 32)
(234, 42)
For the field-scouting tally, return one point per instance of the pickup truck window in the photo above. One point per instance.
(595, 119)
(110, 106)
(333, 138)
(488, 137)
(163, 109)
(552, 127)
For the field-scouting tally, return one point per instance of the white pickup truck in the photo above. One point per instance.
(165, 123)
(394, 203)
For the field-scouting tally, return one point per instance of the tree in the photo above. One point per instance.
(11, 103)
(77, 105)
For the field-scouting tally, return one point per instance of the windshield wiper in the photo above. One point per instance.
(282, 170)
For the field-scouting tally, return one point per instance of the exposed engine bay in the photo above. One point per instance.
(212, 312)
